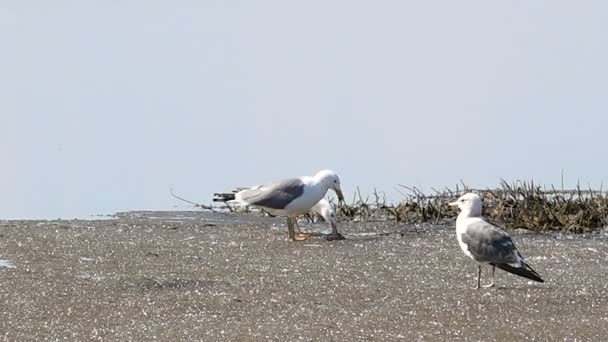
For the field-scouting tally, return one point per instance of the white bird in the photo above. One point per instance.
(486, 243)
(291, 197)
(325, 210)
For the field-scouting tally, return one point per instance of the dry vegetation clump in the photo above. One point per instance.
(526, 205)
(417, 207)
(519, 204)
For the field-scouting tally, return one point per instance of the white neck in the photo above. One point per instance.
(315, 183)
(468, 212)
(314, 180)
(463, 215)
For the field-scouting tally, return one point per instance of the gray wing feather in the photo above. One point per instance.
(488, 243)
(274, 196)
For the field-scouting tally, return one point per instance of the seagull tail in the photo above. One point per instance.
(223, 197)
(524, 271)
(237, 200)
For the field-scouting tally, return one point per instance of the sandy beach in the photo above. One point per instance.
(204, 277)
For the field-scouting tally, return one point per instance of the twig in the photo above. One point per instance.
(202, 206)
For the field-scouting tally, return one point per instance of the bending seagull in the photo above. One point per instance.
(486, 243)
(323, 208)
(291, 197)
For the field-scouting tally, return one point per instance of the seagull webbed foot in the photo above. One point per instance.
(493, 274)
(334, 237)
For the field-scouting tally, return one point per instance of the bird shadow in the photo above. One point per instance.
(525, 288)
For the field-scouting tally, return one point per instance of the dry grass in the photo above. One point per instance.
(519, 204)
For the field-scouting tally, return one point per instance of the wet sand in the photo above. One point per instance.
(203, 279)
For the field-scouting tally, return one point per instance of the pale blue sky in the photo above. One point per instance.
(105, 105)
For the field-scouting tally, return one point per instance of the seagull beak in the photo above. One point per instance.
(340, 195)
(453, 204)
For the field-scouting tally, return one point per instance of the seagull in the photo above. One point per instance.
(486, 243)
(291, 197)
(323, 208)
(327, 212)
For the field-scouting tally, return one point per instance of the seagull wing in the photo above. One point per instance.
(273, 196)
(488, 243)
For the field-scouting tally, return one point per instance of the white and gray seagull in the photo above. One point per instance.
(486, 243)
(291, 197)
(323, 208)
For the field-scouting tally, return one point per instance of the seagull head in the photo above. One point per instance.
(326, 211)
(331, 179)
(469, 203)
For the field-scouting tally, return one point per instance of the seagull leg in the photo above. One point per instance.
(301, 236)
(291, 224)
(492, 283)
(334, 233)
(478, 278)
(290, 232)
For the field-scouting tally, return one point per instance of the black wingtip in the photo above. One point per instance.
(525, 271)
(223, 197)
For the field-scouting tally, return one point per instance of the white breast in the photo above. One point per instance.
(461, 226)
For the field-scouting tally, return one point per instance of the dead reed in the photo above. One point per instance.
(519, 204)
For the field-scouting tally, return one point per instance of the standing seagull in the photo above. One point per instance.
(486, 243)
(291, 197)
